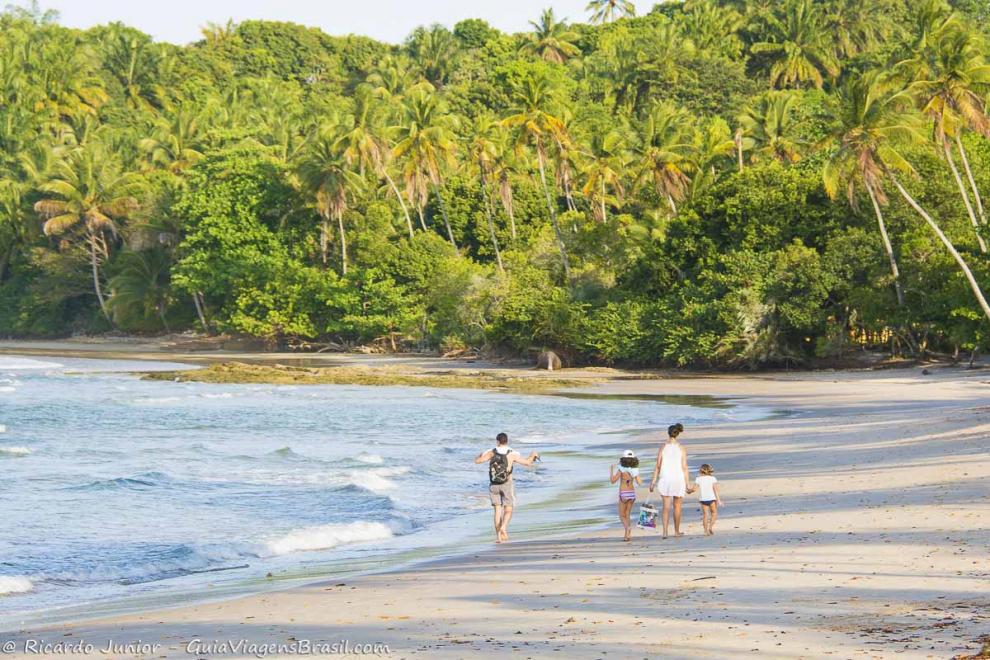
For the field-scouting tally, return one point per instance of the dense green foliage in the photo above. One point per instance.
(714, 183)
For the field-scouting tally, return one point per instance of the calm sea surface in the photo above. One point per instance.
(114, 489)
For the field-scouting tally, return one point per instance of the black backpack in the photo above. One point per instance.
(498, 468)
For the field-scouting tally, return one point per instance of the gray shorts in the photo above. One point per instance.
(503, 494)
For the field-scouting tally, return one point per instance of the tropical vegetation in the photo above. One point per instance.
(707, 183)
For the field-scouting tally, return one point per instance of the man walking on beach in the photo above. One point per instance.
(501, 488)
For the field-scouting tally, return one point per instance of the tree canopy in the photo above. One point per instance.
(707, 183)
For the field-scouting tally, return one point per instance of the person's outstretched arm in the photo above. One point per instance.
(718, 497)
(656, 469)
(528, 461)
(613, 476)
(687, 475)
(484, 457)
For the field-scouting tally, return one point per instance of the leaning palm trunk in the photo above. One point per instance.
(446, 220)
(604, 210)
(894, 270)
(553, 217)
(199, 311)
(489, 212)
(398, 196)
(97, 287)
(948, 245)
(739, 147)
(965, 195)
(568, 196)
(325, 241)
(972, 181)
(343, 244)
(505, 194)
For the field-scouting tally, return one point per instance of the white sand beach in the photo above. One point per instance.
(855, 525)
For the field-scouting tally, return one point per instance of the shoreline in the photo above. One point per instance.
(848, 529)
(544, 384)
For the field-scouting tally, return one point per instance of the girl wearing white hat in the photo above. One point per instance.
(628, 478)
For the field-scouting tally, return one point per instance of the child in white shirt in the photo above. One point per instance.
(708, 497)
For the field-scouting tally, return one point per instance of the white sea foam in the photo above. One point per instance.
(370, 459)
(23, 364)
(7, 389)
(375, 480)
(14, 584)
(534, 439)
(14, 451)
(324, 537)
(3, 429)
(153, 400)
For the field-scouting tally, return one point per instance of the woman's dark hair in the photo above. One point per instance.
(501, 438)
(629, 462)
(675, 430)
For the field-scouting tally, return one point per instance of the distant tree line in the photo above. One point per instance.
(716, 183)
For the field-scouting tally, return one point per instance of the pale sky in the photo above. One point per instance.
(179, 21)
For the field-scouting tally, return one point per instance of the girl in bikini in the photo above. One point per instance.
(628, 478)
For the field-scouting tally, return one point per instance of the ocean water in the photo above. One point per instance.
(114, 489)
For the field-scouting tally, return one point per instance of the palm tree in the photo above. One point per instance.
(973, 285)
(426, 143)
(636, 66)
(436, 51)
(606, 11)
(175, 143)
(878, 123)
(365, 143)
(663, 151)
(566, 158)
(14, 221)
(769, 128)
(327, 175)
(131, 58)
(947, 79)
(286, 135)
(604, 170)
(930, 19)
(855, 26)
(483, 149)
(797, 47)
(216, 35)
(713, 27)
(871, 123)
(539, 127)
(712, 144)
(506, 168)
(89, 190)
(141, 286)
(64, 70)
(550, 39)
(391, 78)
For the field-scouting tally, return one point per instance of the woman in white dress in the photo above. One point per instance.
(671, 477)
